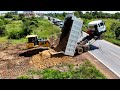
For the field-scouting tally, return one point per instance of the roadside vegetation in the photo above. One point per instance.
(112, 22)
(15, 28)
(84, 71)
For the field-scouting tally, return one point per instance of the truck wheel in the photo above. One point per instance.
(79, 50)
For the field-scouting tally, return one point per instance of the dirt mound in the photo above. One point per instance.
(45, 60)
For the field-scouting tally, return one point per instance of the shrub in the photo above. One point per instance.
(115, 29)
(117, 33)
(21, 16)
(15, 18)
(7, 21)
(3, 31)
(8, 15)
(15, 34)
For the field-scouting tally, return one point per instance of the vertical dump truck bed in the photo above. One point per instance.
(75, 33)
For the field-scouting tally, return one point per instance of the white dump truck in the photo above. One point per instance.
(77, 39)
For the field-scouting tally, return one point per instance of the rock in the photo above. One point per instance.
(35, 77)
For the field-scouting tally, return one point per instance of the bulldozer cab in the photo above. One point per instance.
(32, 41)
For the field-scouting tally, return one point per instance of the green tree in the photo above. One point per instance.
(64, 14)
(21, 16)
(115, 28)
(3, 31)
(117, 15)
(76, 13)
(117, 33)
(81, 14)
(8, 15)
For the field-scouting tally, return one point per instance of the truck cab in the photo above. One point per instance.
(97, 25)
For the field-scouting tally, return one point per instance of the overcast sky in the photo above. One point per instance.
(60, 11)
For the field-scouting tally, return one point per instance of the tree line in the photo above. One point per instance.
(96, 14)
(27, 25)
(87, 15)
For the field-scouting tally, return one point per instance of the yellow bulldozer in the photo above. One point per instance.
(33, 42)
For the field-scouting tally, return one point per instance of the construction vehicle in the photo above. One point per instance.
(72, 39)
(33, 42)
(77, 42)
(95, 30)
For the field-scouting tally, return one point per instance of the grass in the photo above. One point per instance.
(24, 77)
(14, 25)
(13, 41)
(3, 39)
(109, 35)
(85, 71)
(114, 41)
(44, 30)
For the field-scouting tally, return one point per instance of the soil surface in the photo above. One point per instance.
(15, 60)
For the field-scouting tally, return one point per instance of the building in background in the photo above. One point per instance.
(28, 14)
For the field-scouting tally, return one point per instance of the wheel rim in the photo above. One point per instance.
(80, 50)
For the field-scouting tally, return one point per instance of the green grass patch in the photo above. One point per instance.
(3, 39)
(46, 29)
(18, 41)
(24, 77)
(84, 71)
(12, 41)
(114, 41)
(14, 25)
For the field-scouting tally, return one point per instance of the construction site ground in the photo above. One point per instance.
(12, 64)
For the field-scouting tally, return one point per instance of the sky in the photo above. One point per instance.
(112, 12)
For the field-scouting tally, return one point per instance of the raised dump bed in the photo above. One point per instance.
(71, 32)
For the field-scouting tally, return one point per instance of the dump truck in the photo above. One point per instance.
(72, 41)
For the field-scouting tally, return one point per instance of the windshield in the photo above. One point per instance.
(101, 24)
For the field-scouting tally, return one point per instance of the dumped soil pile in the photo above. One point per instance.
(46, 60)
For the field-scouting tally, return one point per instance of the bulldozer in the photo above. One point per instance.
(34, 42)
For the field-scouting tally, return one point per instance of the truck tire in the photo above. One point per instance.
(79, 50)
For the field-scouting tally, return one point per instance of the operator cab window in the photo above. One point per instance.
(101, 24)
(31, 40)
